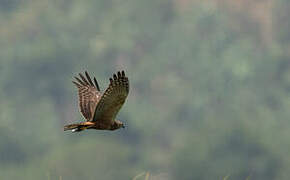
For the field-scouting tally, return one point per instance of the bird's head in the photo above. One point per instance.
(117, 125)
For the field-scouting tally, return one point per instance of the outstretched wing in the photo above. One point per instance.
(89, 95)
(113, 98)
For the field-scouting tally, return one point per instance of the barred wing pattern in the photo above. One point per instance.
(113, 98)
(89, 95)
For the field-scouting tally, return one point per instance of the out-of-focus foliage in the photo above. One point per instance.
(210, 86)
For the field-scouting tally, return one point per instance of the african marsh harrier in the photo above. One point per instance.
(100, 109)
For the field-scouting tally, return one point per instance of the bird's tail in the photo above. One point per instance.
(77, 127)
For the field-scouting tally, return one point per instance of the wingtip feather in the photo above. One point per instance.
(80, 81)
(115, 77)
(89, 78)
(77, 84)
(96, 83)
(84, 79)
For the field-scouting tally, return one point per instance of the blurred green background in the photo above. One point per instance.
(209, 93)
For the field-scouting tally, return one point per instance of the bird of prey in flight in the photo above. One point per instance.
(100, 109)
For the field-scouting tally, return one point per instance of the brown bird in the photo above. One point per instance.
(100, 109)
